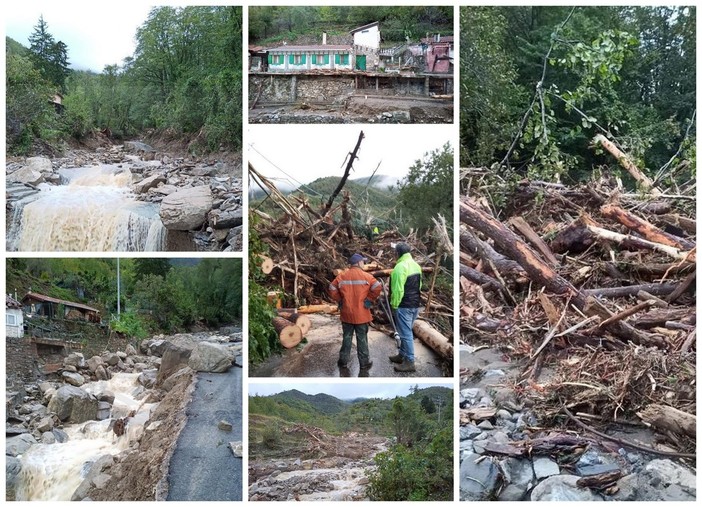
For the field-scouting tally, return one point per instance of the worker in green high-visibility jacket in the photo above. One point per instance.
(405, 300)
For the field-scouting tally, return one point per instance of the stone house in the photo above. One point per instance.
(14, 320)
(46, 306)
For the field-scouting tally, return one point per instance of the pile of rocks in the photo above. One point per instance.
(492, 417)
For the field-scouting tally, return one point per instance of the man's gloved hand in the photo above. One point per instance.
(367, 303)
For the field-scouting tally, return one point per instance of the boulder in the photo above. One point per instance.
(147, 378)
(225, 425)
(61, 436)
(74, 405)
(210, 357)
(130, 350)
(15, 446)
(41, 164)
(478, 481)
(174, 379)
(186, 209)
(562, 488)
(101, 373)
(174, 358)
(148, 183)
(48, 438)
(544, 467)
(137, 146)
(111, 358)
(104, 409)
(75, 379)
(13, 467)
(45, 424)
(75, 359)
(220, 219)
(26, 175)
(94, 362)
(660, 480)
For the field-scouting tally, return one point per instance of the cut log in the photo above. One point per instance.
(474, 246)
(686, 224)
(630, 241)
(644, 228)
(636, 173)
(288, 333)
(530, 234)
(266, 264)
(671, 419)
(302, 321)
(657, 289)
(323, 308)
(433, 339)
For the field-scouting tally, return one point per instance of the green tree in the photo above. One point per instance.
(428, 405)
(427, 189)
(144, 266)
(49, 56)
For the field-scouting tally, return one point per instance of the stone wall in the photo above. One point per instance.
(323, 88)
(274, 88)
(21, 360)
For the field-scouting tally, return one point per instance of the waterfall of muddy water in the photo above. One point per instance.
(54, 471)
(94, 211)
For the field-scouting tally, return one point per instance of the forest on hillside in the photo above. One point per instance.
(184, 78)
(156, 295)
(271, 24)
(417, 466)
(539, 83)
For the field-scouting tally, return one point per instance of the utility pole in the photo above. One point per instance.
(118, 291)
(438, 401)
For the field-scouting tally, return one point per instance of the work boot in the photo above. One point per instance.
(405, 366)
(367, 366)
(342, 364)
(396, 359)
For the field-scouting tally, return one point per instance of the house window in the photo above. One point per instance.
(277, 60)
(320, 60)
(10, 320)
(344, 59)
(298, 59)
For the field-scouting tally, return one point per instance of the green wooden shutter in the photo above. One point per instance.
(303, 60)
(314, 59)
(291, 59)
(270, 58)
(326, 59)
(336, 58)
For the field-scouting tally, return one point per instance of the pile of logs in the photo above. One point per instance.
(597, 283)
(308, 246)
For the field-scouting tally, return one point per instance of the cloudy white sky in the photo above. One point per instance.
(96, 33)
(294, 154)
(343, 390)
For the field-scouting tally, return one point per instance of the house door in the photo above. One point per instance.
(361, 62)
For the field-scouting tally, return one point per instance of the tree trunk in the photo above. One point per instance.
(288, 333)
(323, 308)
(266, 264)
(644, 228)
(299, 319)
(643, 180)
(433, 339)
(669, 418)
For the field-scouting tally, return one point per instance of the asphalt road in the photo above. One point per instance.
(203, 467)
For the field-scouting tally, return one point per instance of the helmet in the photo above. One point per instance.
(401, 249)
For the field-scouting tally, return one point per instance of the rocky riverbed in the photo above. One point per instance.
(104, 427)
(196, 200)
(552, 465)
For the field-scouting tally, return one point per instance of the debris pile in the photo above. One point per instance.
(308, 246)
(587, 294)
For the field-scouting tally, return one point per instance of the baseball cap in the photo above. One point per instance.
(356, 258)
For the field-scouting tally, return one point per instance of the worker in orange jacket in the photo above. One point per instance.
(355, 291)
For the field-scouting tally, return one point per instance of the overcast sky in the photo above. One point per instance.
(96, 33)
(304, 153)
(344, 390)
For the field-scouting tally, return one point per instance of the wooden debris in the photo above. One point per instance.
(289, 334)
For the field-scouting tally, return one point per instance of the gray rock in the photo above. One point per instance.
(148, 183)
(48, 438)
(562, 488)
(478, 481)
(512, 493)
(111, 358)
(471, 395)
(106, 395)
(147, 378)
(174, 358)
(15, 446)
(585, 471)
(104, 409)
(486, 425)
(130, 350)
(61, 436)
(220, 219)
(12, 431)
(75, 379)
(480, 445)
(74, 359)
(137, 146)
(210, 357)
(665, 480)
(519, 472)
(73, 404)
(545, 467)
(171, 381)
(225, 425)
(94, 362)
(186, 209)
(469, 431)
(13, 467)
(101, 373)
(45, 424)
(101, 481)
(26, 175)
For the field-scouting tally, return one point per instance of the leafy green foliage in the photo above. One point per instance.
(263, 340)
(621, 71)
(270, 24)
(427, 189)
(49, 56)
(421, 473)
(130, 324)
